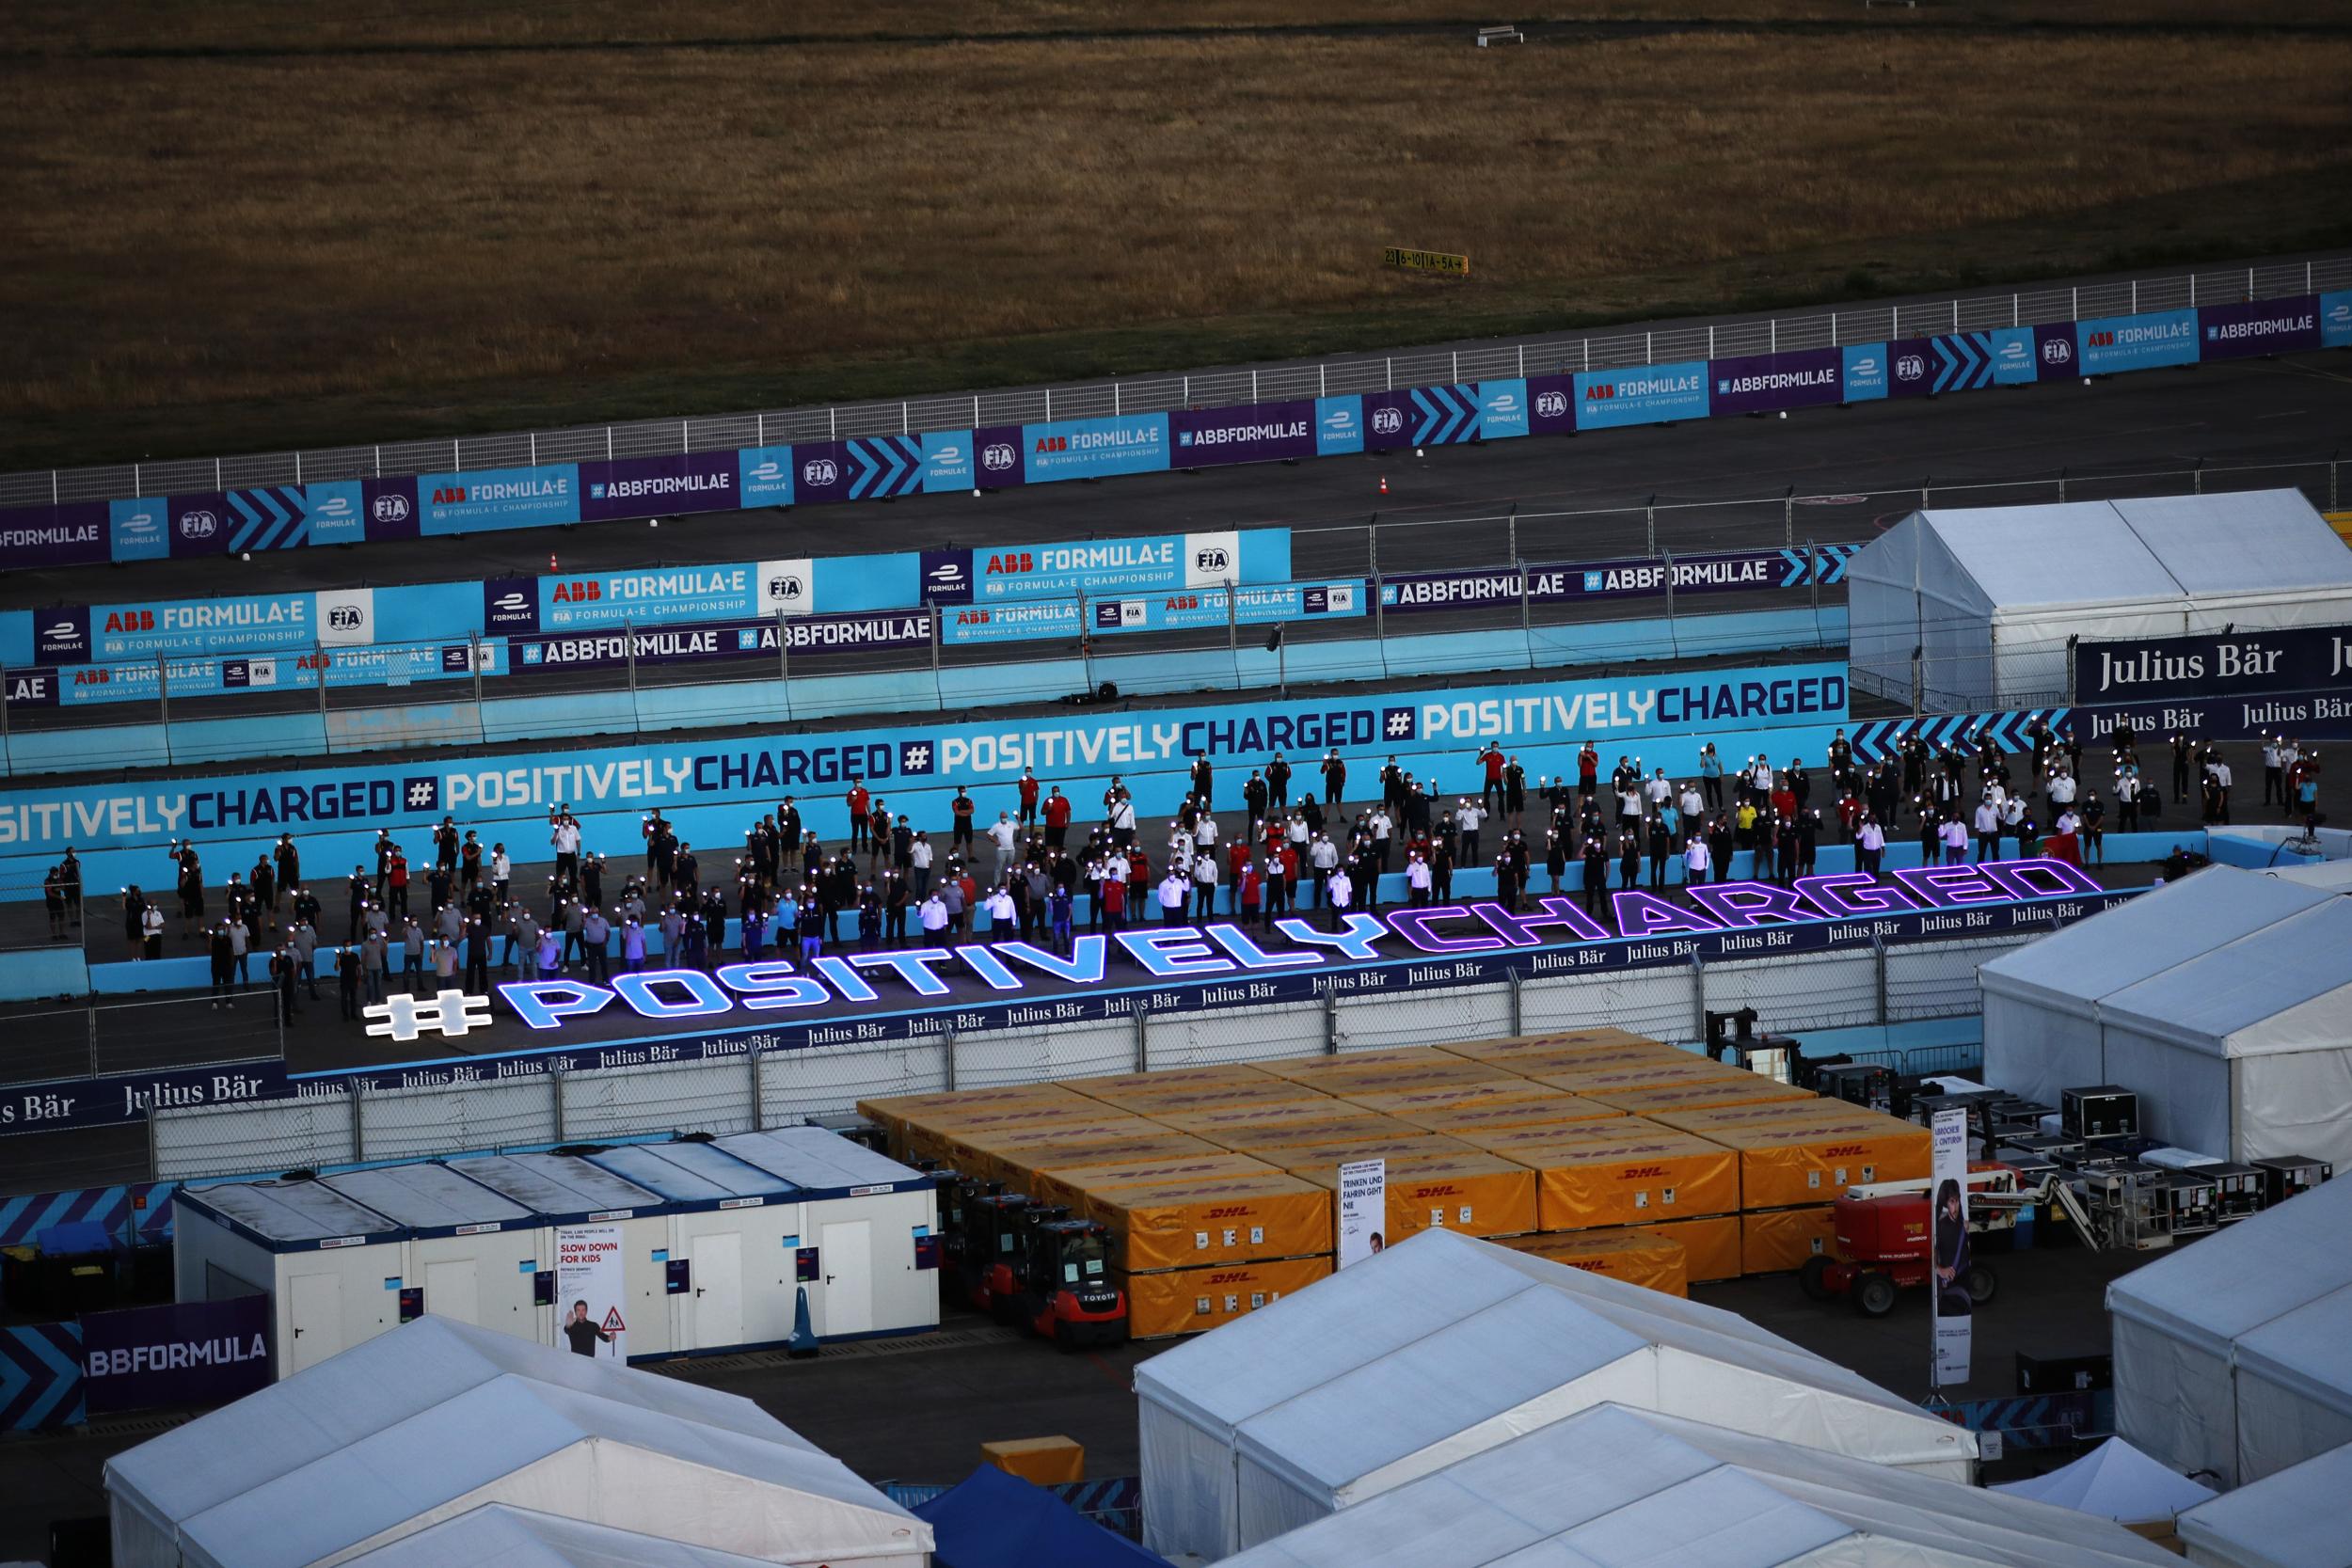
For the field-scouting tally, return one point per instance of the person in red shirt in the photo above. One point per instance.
(1587, 769)
(1236, 862)
(1139, 877)
(1113, 892)
(1282, 891)
(1248, 890)
(859, 801)
(1057, 817)
(1493, 758)
(1784, 800)
(1028, 798)
(396, 885)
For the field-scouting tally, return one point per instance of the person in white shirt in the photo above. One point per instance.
(934, 914)
(1123, 821)
(1761, 776)
(1693, 806)
(1002, 833)
(1381, 827)
(1174, 890)
(1342, 889)
(1987, 829)
(1870, 846)
(919, 862)
(1696, 858)
(1658, 791)
(1000, 911)
(2061, 790)
(1466, 816)
(1205, 884)
(1417, 879)
(1204, 831)
(1956, 840)
(1323, 858)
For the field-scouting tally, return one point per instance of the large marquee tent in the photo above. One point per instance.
(2293, 1519)
(510, 1537)
(437, 1418)
(2234, 1356)
(2224, 998)
(1616, 1488)
(1443, 1345)
(1991, 596)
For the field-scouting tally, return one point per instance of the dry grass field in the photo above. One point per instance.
(242, 225)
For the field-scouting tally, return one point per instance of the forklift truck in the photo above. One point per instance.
(1065, 1292)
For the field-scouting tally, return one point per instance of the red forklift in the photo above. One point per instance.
(1066, 1293)
(989, 1259)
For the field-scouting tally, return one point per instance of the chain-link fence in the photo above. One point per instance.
(104, 1038)
(1864, 986)
(1973, 311)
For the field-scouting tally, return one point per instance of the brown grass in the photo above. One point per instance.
(400, 238)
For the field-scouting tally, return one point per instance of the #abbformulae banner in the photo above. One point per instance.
(193, 1352)
(1727, 572)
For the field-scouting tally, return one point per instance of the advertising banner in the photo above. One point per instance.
(493, 498)
(1363, 1210)
(1952, 1310)
(763, 476)
(1338, 426)
(147, 680)
(1210, 607)
(590, 1292)
(266, 623)
(1732, 571)
(948, 461)
(2335, 318)
(723, 639)
(194, 1352)
(70, 535)
(1001, 455)
(2305, 716)
(1962, 362)
(589, 601)
(2213, 664)
(2137, 342)
(1501, 409)
(872, 467)
(1640, 394)
(1861, 366)
(639, 487)
(1759, 384)
(1009, 621)
(1094, 449)
(140, 530)
(1437, 415)
(1115, 566)
(1259, 432)
(394, 794)
(2244, 331)
(337, 512)
(1551, 405)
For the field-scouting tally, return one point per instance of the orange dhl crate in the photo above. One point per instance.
(1014, 1166)
(1706, 1094)
(1122, 1087)
(1198, 1098)
(1479, 1195)
(1207, 1122)
(893, 1113)
(1604, 1078)
(1505, 1054)
(1406, 1143)
(1785, 1164)
(1552, 1109)
(1067, 1184)
(1489, 1091)
(1185, 1301)
(1706, 1119)
(1773, 1241)
(1711, 1246)
(1307, 1068)
(1641, 1258)
(1638, 1174)
(1211, 1219)
(1371, 1072)
(984, 1153)
(1363, 1127)
(934, 1134)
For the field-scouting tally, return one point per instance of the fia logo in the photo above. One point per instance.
(198, 525)
(1910, 367)
(1213, 557)
(820, 471)
(2058, 351)
(1552, 405)
(786, 586)
(346, 617)
(388, 508)
(1388, 422)
(997, 457)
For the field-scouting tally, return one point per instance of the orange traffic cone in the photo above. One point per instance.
(1384, 484)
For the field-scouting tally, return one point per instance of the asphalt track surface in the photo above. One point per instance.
(1714, 485)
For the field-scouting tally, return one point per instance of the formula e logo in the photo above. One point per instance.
(509, 603)
(948, 576)
(389, 509)
(1213, 557)
(997, 457)
(1552, 405)
(198, 525)
(1910, 367)
(65, 631)
(1388, 422)
(948, 456)
(334, 508)
(1340, 419)
(2058, 351)
(2012, 351)
(1865, 366)
(820, 470)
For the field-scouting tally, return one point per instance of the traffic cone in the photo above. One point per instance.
(804, 1341)
(1384, 484)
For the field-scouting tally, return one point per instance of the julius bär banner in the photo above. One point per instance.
(2236, 663)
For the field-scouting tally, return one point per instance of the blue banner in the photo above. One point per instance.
(497, 498)
(2135, 343)
(1217, 607)
(1640, 394)
(764, 475)
(2335, 318)
(1093, 448)
(1338, 426)
(1865, 371)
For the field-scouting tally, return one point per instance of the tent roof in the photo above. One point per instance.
(994, 1520)
(2308, 1350)
(2293, 1519)
(2125, 943)
(2089, 553)
(558, 1186)
(1614, 1488)
(816, 1159)
(380, 1384)
(1375, 1317)
(2233, 1282)
(2286, 987)
(2113, 1481)
(499, 1535)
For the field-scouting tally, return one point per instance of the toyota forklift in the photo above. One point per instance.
(1065, 1292)
(991, 1258)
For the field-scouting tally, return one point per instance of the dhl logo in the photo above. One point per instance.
(1229, 1211)
(1845, 1151)
(1435, 1188)
(1641, 1173)
(1232, 1276)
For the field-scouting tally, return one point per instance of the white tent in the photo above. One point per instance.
(1991, 596)
(2293, 1519)
(2113, 1481)
(2225, 999)
(1614, 1488)
(1444, 1345)
(506, 1537)
(2223, 1354)
(437, 1418)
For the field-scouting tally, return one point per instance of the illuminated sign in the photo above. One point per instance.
(405, 1018)
(1737, 918)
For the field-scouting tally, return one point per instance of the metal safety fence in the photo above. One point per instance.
(1875, 987)
(1971, 311)
(101, 1038)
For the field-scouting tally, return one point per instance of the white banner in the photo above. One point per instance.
(589, 1291)
(1363, 1210)
(1949, 1235)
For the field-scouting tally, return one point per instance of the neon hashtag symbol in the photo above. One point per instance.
(401, 1016)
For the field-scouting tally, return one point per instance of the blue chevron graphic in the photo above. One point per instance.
(272, 519)
(1795, 567)
(886, 465)
(23, 1218)
(1881, 740)
(1447, 415)
(40, 1377)
(1833, 559)
(2030, 1421)
(1964, 362)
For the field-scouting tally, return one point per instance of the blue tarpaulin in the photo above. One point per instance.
(994, 1520)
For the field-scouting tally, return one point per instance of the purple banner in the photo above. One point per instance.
(199, 524)
(510, 607)
(194, 1352)
(720, 640)
(642, 487)
(1258, 432)
(1729, 572)
(1761, 382)
(2261, 327)
(1551, 405)
(70, 535)
(947, 574)
(998, 462)
(2054, 355)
